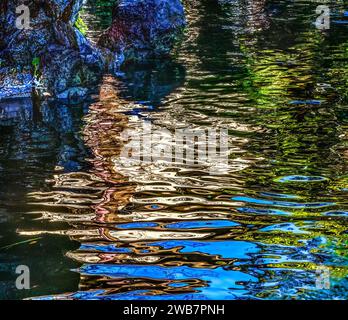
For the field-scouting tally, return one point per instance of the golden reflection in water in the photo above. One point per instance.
(104, 124)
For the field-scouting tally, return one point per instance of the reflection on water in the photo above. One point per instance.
(261, 229)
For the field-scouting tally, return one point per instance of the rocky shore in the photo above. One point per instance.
(55, 59)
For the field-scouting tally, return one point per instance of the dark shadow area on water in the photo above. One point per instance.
(35, 140)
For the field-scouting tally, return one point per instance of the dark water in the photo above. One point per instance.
(268, 226)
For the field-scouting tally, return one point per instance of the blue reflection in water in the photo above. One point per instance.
(264, 211)
(283, 203)
(308, 102)
(224, 249)
(137, 225)
(284, 227)
(181, 225)
(221, 281)
(104, 248)
(340, 21)
(336, 213)
(178, 284)
(299, 178)
(202, 224)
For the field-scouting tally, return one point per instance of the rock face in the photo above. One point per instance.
(15, 84)
(50, 22)
(62, 61)
(144, 29)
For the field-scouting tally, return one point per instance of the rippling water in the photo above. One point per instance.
(267, 226)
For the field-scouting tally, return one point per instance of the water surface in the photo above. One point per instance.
(265, 227)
